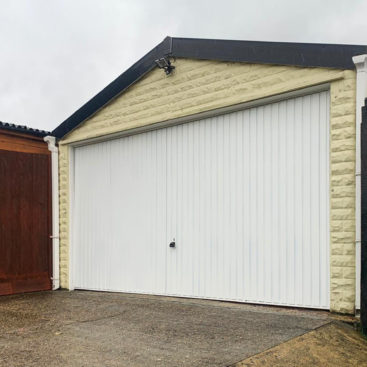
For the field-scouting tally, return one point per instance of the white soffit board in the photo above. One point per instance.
(245, 195)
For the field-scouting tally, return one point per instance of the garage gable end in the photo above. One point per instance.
(270, 53)
(196, 86)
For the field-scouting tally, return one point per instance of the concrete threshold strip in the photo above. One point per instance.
(332, 344)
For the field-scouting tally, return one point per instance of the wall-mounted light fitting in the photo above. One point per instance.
(165, 64)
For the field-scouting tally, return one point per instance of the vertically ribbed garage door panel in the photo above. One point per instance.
(120, 214)
(244, 195)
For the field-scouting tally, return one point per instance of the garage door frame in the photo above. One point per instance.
(169, 123)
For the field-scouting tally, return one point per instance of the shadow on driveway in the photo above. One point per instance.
(331, 345)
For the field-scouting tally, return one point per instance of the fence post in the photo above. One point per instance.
(364, 219)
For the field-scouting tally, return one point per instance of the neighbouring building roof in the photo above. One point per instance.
(278, 53)
(23, 129)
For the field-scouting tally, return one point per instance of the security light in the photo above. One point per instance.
(165, 64)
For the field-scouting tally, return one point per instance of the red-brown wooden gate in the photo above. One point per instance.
(25, 214)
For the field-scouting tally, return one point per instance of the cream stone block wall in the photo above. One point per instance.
(342, 193)
(197, 86)
(64, 215)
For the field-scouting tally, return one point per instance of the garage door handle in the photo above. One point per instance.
(172, 244)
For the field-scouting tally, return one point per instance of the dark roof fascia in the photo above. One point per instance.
(337, 56)
(23, 129)
(278, 53)
(121, 83)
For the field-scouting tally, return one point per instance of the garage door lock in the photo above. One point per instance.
(173, 243)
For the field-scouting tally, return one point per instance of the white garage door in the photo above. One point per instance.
(245, 197)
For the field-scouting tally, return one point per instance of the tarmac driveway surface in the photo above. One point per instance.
(110, 329)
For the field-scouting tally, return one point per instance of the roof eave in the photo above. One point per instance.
(277, 53)
(112, 90)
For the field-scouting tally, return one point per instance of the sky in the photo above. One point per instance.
(57, 54)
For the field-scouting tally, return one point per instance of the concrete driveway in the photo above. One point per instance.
(109, 329)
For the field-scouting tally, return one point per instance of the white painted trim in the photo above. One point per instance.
(50, 140)
(203, 115)
(361, 93)
(71, 216)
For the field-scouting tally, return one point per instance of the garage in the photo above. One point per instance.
(242, 197)
(220, 170)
